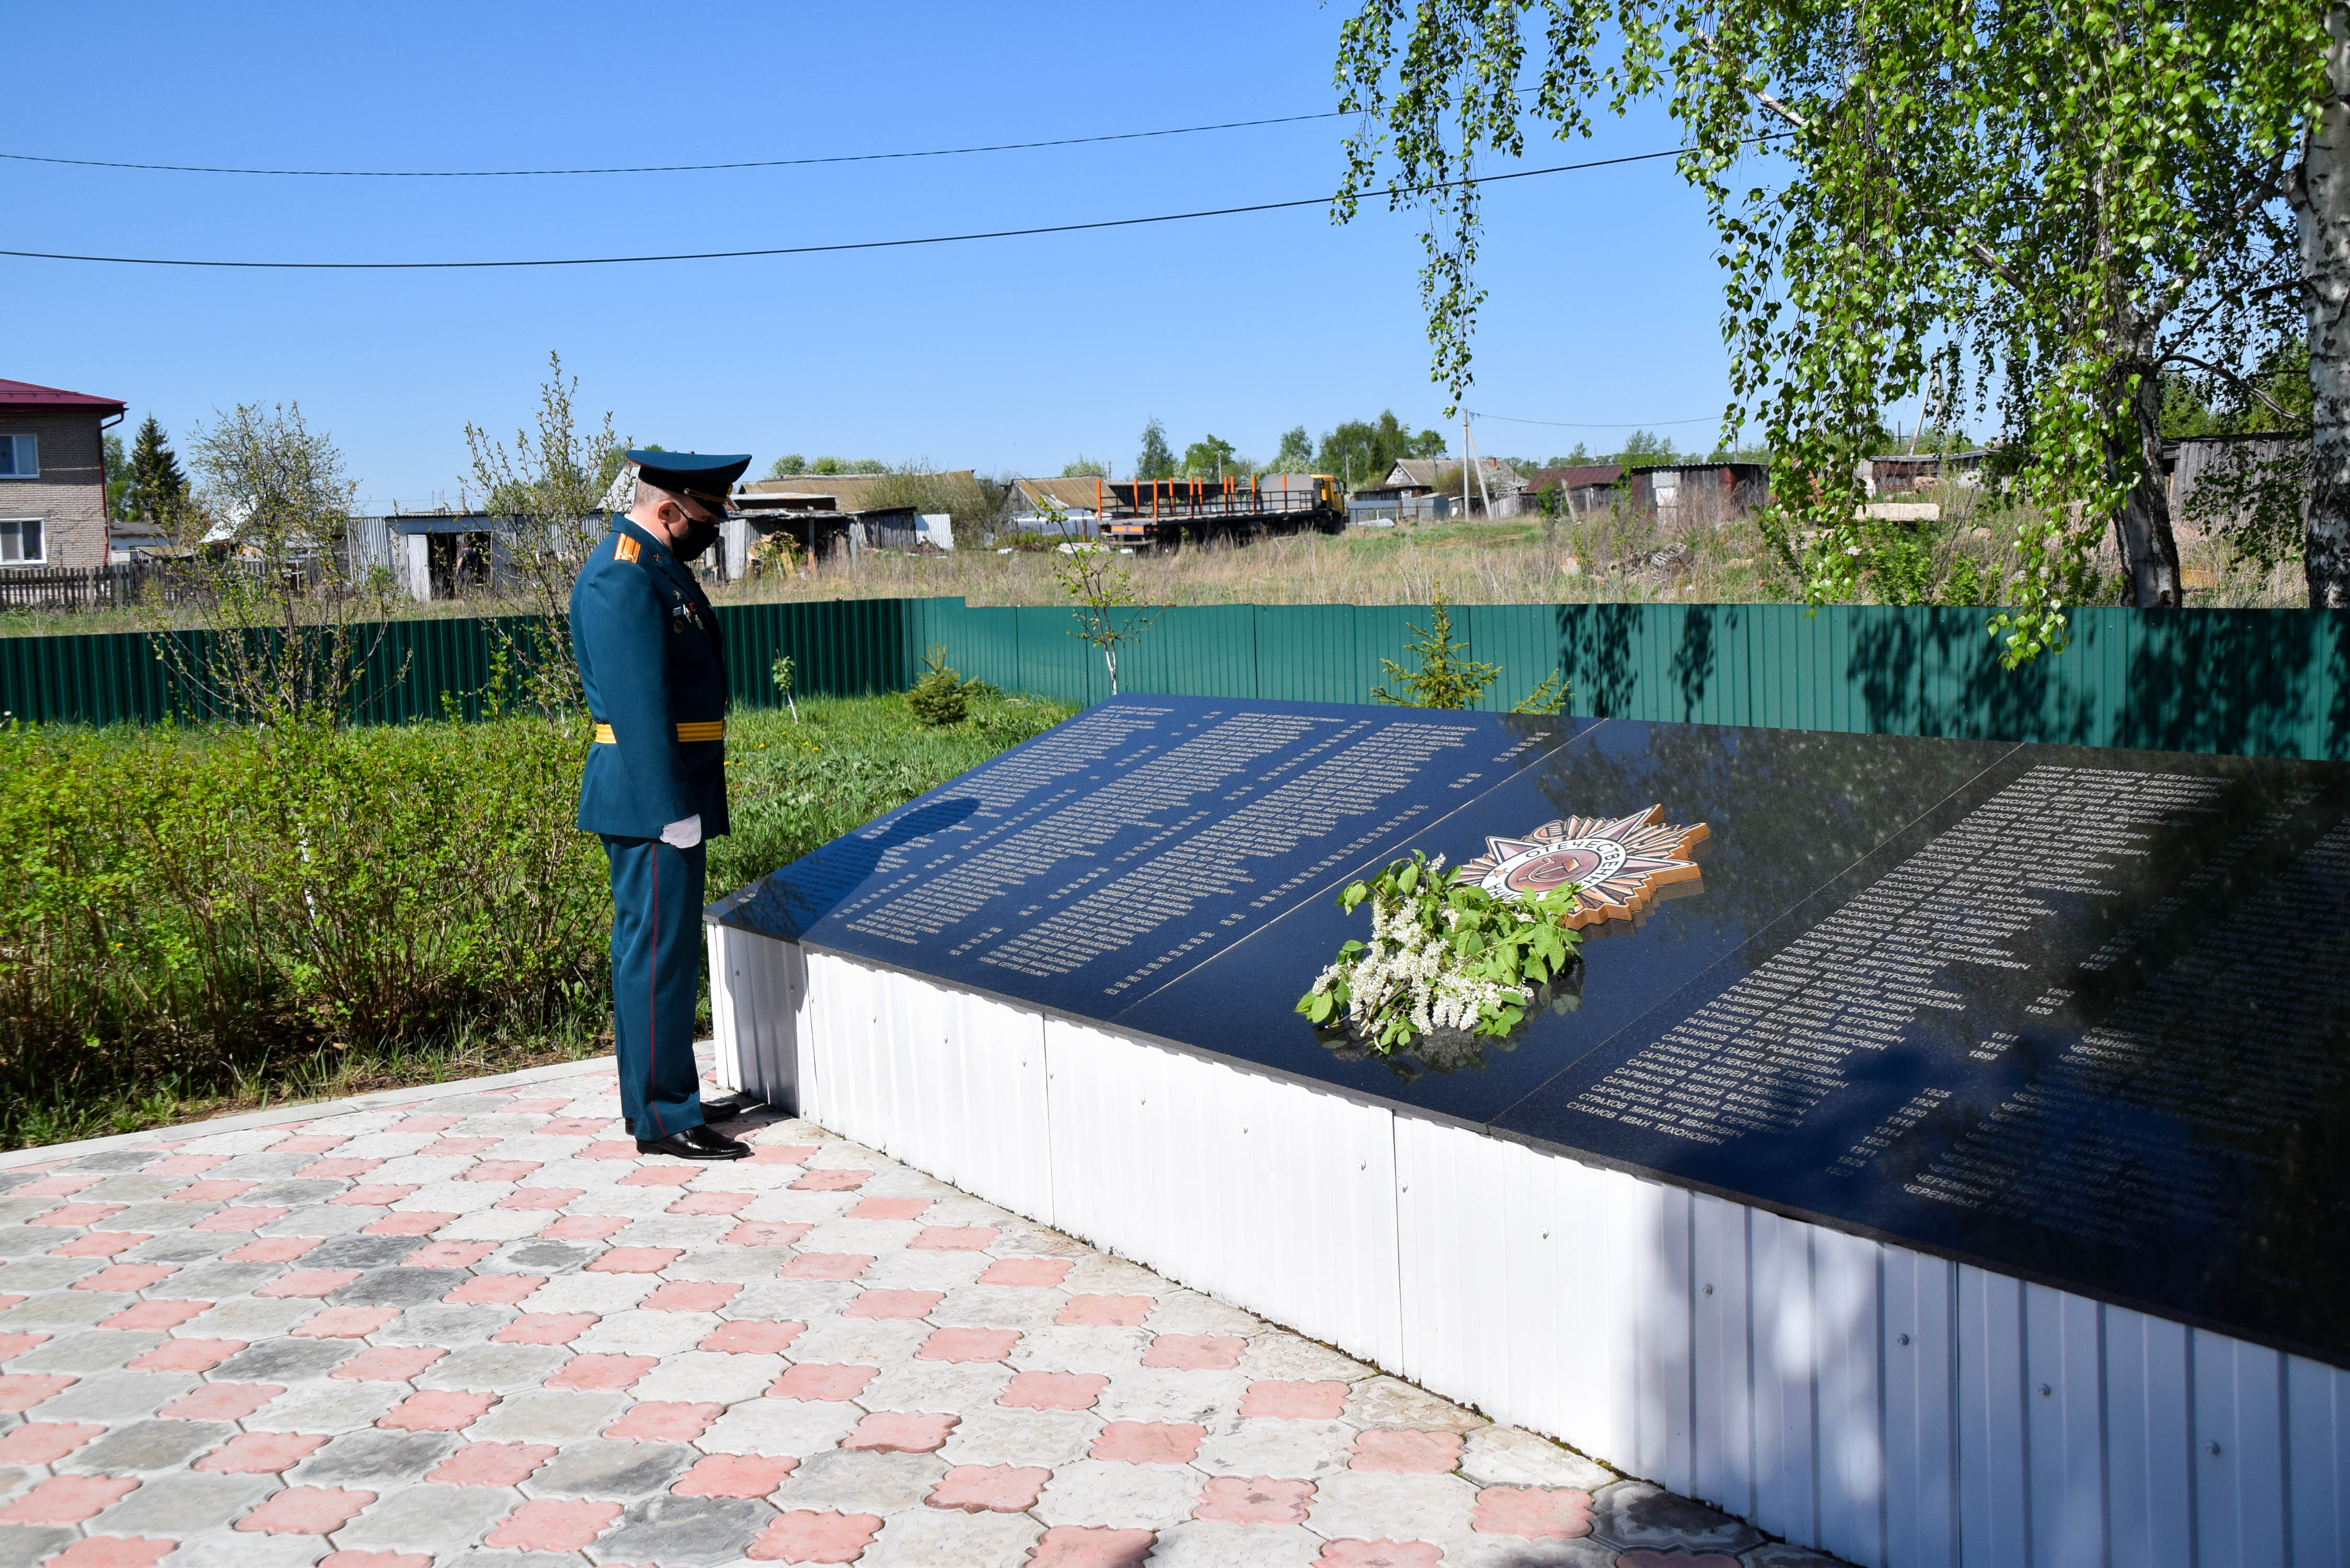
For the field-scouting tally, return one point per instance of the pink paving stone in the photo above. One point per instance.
(389, 1363)
(827, 1266)
(1091, 1546)
(184, 1165)
(59, 1186)
(575, 1127)
(311, 1282)
(968, 1345)
(1254, 1500)
(273, 1249)
(438, 1410)
(1406, 1453)
(309, 1143)
(491, 1464)
(6, 1300)
(610, 1149)
(990, 1489)
(753, 1336)
(831, 1179)
(1531, 1510)
(262, 1453)
(736, 1475)
(498, 1170)
(815, 1380)
(67, 1499)
(221, 1401)
(444, 1147)
(156, 1314)
(662, 1176)
(377, 1560)
(888, 1208)
(1053, 1390)
(495, 1290)
(1647, 1557)
(424, 1124)
(309, 1511)
(689, 1296)
(250, 1218)
(15, 1345)
(806, 1536)
(902, 1431)
(539, 1196)
(98, 1244)
(544, 1524)
(710, 1202)
(898, 1304)
(340, 1169)
(345, 1323)
(587, 1227)
(766, 1233)
(409, 1222)
(1105, 1312)
(113, 1552)
(126, 1277)
(635, 1260)
(781, 1153)
(76, 1214)
(663, 1421)
(218, 1191)
(380, 1195)
(954, 1239)
(1046, 1273)
(1355, 1553)
(449, 1254)
(42, 1442)
(1149, 1442)
(605, 1372)
(1295, 1401)
(186, 1355)
(545, 1328)
(1195, 1352)
(23, 1390)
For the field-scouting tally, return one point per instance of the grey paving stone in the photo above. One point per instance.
(1634, 1514)
(22, 1545)
(468, 1105)
(285, 1360)
(328, 1405)
(686, 1530)
(132, 1189)
(448, 1326)
(60, 1309)
(12, 1180)
(241, 1549)
(540, 1258)
(494, 1369)
(113, 1397)
(858, 1480)
(217, 1281)
(115, 1159)
(400, 1287)
(360, 1252)
(47, 1273)
(435, 1519)
(156, 1445)
(549, 1416)
(25, 1240)
(521, 1560)
(290, 1194)
(374, 1459)
(94, 1350)
(259, 1167)
(608, 1468)
(184, 1247)
(176, 1507)
(165, 1216)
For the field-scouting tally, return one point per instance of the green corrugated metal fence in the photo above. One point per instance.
(2255, 682)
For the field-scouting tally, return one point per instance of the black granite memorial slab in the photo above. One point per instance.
(2074, 1015)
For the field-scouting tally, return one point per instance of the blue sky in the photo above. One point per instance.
(1014, 355)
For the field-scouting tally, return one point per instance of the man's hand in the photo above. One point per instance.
(684, 834)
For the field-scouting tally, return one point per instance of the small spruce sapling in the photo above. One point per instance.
(939, 697)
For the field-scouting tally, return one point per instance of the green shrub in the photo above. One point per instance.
(938, 698)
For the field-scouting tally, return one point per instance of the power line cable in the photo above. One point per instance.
(1592, 424)
(667, 168)
(827, 249)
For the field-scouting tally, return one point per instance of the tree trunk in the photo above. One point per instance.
(2149, 550)
(2320, 193)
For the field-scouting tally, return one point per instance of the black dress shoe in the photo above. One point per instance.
(696, 1143)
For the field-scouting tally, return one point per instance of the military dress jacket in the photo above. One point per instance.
(653, 663)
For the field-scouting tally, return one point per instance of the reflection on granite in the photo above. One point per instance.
(2072, 1015)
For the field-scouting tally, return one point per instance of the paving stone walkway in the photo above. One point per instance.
(476, 1324)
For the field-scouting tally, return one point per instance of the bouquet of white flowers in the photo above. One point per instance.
(1444, 955)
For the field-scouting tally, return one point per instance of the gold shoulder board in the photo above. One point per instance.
(626, 550)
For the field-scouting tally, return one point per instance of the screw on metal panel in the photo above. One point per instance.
(1362, 1165)
(1901, 1339)
(1709, 1290)
(2214, 1448)
(2045, 1391)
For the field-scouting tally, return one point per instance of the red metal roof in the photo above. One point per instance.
(24, 395)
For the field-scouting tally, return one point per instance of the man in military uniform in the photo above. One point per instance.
(651, 661)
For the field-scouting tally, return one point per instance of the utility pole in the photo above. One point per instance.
(1464, 465)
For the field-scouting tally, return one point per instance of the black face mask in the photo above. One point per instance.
(697, 535)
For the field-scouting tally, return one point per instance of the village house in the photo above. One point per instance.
(53, 476)
(1498, 482)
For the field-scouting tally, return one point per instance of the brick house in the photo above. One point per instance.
(53, 476)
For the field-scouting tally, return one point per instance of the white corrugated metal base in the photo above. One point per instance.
(1889, 1407)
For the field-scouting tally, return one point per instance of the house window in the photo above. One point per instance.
(20, 456)
(22, 542)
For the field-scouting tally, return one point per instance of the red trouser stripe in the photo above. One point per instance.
(652, 1006)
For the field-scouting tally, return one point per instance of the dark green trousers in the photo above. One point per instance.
(656, 976)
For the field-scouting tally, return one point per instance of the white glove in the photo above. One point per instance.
(684, 834)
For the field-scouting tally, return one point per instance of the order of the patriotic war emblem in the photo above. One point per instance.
(1621, 865)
